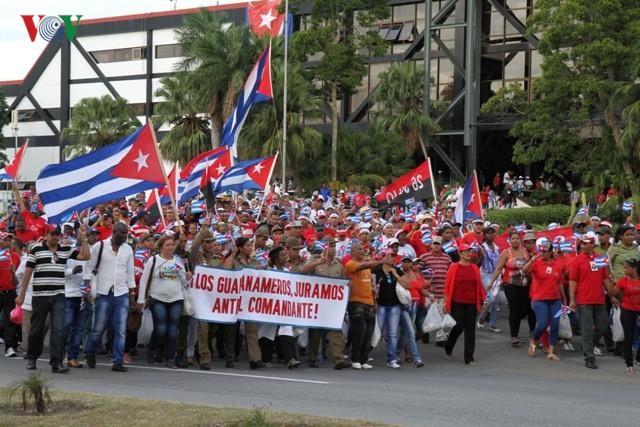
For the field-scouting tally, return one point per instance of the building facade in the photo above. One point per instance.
(476, 48)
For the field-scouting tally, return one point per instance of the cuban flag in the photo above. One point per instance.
(469, 206)
(521, 228)
(262, 257)
(601, 261)
(162, 196)
(627, 206)
(257, 88)
(427, 237)
(4, 255)
(142, 254)
(265, 19)
(248, 175)
(192, 175)
(12, 170)
(567, 247)
(449, 247)
(118, 170)
(198, 207)
(410, 201)
(583, 211)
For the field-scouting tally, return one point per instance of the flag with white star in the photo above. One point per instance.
(248, 175)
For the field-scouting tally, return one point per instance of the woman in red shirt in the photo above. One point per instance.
(547, 296)
(629, 286)
(463, 299)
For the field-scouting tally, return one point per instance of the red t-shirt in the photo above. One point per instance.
(105, 232)
(26, 236)
(631, 289)
(563, 263)
(6, 275)
(416, 286)
(590, 281)
(545, 278)
(35, 223)
(465, 291)
(469, 238)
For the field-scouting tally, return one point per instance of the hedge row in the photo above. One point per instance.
(539, 216)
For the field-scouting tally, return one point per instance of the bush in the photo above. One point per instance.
(537, 215)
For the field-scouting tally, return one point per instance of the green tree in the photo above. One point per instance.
(96, 122)
(5, 118)
(339, 30)
(262, 134)
(190, 132)
(218, 58)
(575, 121)
(400, 93)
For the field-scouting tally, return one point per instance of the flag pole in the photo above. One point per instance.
(433, 182)
(267, 190)
(284, 102)
(164, 174)
(21, 157)
(476, 184)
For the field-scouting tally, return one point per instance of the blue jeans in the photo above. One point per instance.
(75, 315)
(545, 311)
(389, 319)
(492, 308)
(407, 331)
(114, 309)
(166, 319)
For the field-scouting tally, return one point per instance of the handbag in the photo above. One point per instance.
(134, 322)
(433, 320)
(404, 296)
(187, 302)
(146, 291)
(617, 332)
(564, 327)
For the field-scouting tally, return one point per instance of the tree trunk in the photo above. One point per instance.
(627, 167)
(334, 132)
(215, 133)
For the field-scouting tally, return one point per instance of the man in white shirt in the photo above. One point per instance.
(114, 286)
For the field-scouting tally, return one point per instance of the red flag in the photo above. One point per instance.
(173, 179)
(566, 232)
(265, 19)
(12, 170)
(411, 184)
(141, 161)
(188, 169)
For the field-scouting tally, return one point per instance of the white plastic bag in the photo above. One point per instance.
(448, 323)
(433, 320)
(377, 334)
(564, 328)
(404, 296)
(303, 338)
(617, 333)
(146, 327)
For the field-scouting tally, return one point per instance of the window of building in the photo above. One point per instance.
(394, 32)
(28, 116)
(119, 55)
(168, 51)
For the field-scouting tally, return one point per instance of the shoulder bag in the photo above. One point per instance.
(94, 278)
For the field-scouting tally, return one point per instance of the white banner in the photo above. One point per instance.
(268, 296)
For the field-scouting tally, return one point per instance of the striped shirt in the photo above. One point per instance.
(439, 265)
(49, 269)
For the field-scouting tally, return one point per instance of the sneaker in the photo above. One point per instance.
(369, 359)
(367, 366)
(494, 329)
(256, 365)
(480, 324)
(597, 351)
(228, 364)
(11, 352)
(419, 363)
(343, 364)
(570, 345)
(293, 363)
(205, 366)
(60, 369)
(1, 341)
(591, 364)
(118, 367)
(393, 365)
(356, 365)
(31, 365)
(171, 364)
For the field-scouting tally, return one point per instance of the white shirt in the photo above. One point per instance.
(115, 270)
(72, 282)
(407, 251)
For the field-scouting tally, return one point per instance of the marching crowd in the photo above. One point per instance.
(87, 282)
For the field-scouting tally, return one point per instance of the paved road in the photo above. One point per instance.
(505, 388)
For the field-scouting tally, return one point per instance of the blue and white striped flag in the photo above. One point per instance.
(583, 211)
(627, 206)
(601, 261)
(449, 247)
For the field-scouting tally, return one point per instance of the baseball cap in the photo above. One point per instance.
(477, 221)
(437, 239)
(293, 242)
(590, 235)
(392, 242)
(328, 239)
(463, 247)
(603, 230)
(321, 214)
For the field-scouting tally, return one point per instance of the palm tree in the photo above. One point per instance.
(400, 93)
(219, 58)
(96, 122)
(262, 134)
(190, 131)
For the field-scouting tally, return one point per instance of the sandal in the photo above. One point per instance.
(532, 349)
(553, 357)
(515, 341)
(630, 370)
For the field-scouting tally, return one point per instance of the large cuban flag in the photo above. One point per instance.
(469, 206)
(248, 175)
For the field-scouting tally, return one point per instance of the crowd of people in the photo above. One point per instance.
(87, 282)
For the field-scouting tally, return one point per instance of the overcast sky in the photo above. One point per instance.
(19, 52)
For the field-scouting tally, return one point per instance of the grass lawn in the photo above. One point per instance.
(82, 409)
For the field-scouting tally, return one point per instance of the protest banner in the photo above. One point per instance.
(268, 296)
(417, 184)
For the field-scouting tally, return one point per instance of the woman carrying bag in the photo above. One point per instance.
(162, 285)
(464, 296)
